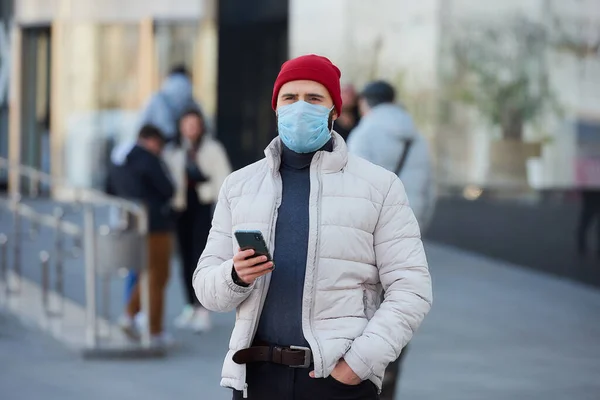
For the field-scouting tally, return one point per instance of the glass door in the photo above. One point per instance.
(35, 100)
(6, 18)
(95, 98)
(35, 97)
(191, 44)
(175, 43)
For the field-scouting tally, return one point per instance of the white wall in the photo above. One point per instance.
(400, 40)
(487, 10)
(380, 37)
(319, 27)
(576, 82)
(396, 40)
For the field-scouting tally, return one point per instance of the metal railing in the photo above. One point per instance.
(82, 195)
(87, 199)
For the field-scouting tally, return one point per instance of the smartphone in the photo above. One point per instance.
(253, 240)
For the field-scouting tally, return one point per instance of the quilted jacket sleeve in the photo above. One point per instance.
(212, 279)
(406, 283)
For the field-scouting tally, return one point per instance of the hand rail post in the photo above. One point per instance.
(16, 261)
(3, 263)
(59, 258)
(90, 276)
(45, 260)
(34, 183)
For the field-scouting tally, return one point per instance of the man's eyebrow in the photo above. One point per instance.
(315, 95)
(289, 95)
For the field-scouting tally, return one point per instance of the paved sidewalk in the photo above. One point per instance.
(496, 332)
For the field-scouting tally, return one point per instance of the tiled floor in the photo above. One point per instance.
(496, 332)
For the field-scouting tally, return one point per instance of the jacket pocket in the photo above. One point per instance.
(370, 299)
(365, 302)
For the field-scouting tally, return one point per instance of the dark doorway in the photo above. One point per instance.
(35, 86)
(35, 107)
(253, 43)
(6, 21)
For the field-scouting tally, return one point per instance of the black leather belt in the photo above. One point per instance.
(293, 356)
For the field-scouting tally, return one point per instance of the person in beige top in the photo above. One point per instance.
(198, 166)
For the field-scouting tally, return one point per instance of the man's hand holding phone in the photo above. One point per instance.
(249, 267)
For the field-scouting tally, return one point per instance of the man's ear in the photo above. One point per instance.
(334, 115)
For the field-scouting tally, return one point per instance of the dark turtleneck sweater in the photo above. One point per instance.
(281, 319)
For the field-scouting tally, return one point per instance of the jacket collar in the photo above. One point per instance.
(333, 161)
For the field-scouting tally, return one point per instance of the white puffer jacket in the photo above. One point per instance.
(212, 160)
(363, 239)
(380, 137)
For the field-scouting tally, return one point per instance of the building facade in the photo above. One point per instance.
(413, 45)
(82, 69)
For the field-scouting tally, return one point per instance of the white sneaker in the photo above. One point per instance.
(201, 320)
(129, 328)
(162, 340)
(141, 319)
(184, 319)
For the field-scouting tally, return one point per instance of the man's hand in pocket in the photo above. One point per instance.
(343, 373)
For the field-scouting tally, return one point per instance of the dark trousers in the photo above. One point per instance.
(590, 211)
(268, 381)
(193, 226)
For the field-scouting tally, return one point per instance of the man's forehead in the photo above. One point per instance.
(303, 86)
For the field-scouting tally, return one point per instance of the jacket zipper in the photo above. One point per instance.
(264, 284)
(317, 348)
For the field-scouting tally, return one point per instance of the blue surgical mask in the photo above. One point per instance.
(303, 127)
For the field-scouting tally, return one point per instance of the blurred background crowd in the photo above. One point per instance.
(506, 95)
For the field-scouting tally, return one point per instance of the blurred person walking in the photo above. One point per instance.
(590, 211)
(199, 165)
(166, 107)
(350, 116)
(340, 233)
(143, 177)
(387, 136)
(163, 110)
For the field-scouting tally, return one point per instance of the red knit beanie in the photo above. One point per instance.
(311, 68)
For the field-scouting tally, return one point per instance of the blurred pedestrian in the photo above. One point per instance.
(387, 136)
(166, 107)
(350, 116)
(341, 233)
(163, 110)
(143, 177)
(199, 165)
(590, 211)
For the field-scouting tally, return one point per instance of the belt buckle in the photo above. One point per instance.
(307, 356)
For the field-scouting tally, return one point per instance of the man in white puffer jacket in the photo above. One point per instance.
(341, 233)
